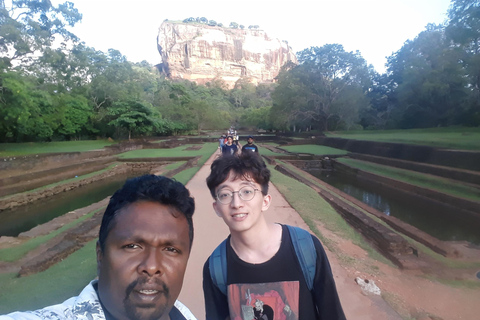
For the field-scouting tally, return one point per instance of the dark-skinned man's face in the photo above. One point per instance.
(142, 266)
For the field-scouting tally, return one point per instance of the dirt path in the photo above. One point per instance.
(210, 231)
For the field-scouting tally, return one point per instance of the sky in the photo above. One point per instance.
(376, 28)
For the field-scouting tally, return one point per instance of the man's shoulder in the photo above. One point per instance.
(85, 305)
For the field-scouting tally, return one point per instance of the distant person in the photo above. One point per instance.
(235, 138)
(142, 252)
(250, 147)
(229, 148)
(221, 142)
(262, 256)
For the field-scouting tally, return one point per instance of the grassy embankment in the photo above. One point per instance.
(27, 148)
(457, 138)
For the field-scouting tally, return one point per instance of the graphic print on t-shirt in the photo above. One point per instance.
(264, 301)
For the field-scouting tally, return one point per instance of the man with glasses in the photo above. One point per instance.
(261, 260)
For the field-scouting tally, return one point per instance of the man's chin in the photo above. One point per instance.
(146, 312)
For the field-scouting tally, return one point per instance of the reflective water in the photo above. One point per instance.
(436, 220)
(26, 217)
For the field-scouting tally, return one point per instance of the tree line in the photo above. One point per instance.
(51, 91)
(433, 80)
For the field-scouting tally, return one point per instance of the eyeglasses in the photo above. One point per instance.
(245, 193)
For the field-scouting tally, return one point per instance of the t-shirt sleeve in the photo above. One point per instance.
(324, 289)
(216, 303)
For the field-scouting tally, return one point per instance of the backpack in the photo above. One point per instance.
(304, 248)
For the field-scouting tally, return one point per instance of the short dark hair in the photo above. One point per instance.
(148, 188)
(248, 165)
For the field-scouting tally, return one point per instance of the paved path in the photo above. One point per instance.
(210, 231)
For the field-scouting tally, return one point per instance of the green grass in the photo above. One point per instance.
(16, 252)
(207, 148)
(28, 148)
(314, 149)
(459, 138)
(52, 286)
(447, 186)
(266, 152)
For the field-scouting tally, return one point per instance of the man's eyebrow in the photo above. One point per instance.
(244, 182)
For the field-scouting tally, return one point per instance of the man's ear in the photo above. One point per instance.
(99, 257)
(215, 208)
(267, 200)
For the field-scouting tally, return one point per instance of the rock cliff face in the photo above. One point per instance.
(202, 53)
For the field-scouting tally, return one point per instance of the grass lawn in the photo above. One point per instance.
(54, 285)
(206, 150)
(21, 149)
(458, 138)
(314, 149)
(440, 184)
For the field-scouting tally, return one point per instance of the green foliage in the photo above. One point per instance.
(72, 91)
(30, 26)
(326, 90)
(431, 86)
(135, 118)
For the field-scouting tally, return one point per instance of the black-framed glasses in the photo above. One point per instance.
(246, 193)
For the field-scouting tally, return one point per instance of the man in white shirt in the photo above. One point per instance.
(142, 252)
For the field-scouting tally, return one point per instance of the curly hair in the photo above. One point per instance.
(248, 166)
(150, 188)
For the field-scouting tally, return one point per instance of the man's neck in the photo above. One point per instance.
(258, 244)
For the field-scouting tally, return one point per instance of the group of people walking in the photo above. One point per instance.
(229, 144)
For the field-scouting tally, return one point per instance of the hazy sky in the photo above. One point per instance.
(376, 28)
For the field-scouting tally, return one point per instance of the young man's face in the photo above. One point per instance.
(240, 215)
(140, 271)
(229, 140)
(250, 140)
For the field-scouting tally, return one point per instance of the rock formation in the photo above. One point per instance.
(201, 53)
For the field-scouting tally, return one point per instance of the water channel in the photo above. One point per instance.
(26, 217)
(434, 219)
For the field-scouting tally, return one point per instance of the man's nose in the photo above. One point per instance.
(236, 200)
(151, 263)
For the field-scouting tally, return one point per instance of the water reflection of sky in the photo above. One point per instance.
(374, 200)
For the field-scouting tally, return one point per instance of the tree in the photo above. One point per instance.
(463, 30)
(29, 26)
(430, 86)
(233, 25)
(329, 83)
(134, 117)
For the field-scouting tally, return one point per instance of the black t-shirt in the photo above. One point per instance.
(229, 149)
(250, 147)
(270, 279)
